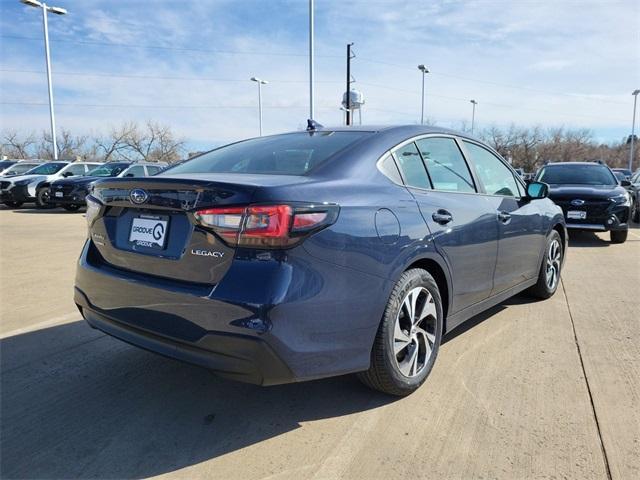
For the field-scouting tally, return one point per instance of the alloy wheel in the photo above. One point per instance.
(554, 256)
(414, 332)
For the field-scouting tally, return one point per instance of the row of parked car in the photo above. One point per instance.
(61, 183)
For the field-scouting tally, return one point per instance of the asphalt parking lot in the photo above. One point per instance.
(529, 389)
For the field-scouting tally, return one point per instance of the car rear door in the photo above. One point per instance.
(462, 223)
(520, 223)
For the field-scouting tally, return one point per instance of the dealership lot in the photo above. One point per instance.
(529, 389)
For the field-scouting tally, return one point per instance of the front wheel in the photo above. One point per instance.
(42, 198)
(407, 342)
(549, 274)
(635, 211)
(619, 236)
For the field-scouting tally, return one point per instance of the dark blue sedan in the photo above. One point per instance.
(317, 253)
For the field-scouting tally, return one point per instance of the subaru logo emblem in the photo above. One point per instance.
(577, 202)
(138, 196)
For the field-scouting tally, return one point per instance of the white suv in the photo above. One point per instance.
(34, 186)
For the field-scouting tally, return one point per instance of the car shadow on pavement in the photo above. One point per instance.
(76, 403)
(581, 239)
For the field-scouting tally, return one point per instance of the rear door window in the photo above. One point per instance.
(136, 171)
(447, 167)
(411, 166)
(75, 170)
(152, 169)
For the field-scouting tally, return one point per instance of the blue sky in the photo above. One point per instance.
(569, 63)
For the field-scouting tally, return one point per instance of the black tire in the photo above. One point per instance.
(543, 288)
(42, 198)
(619, 236)
(384, 372)
(71, 208)
(635, 211)
(13, 204)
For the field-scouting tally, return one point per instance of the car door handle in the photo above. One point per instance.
(504, 217)
(442, 217)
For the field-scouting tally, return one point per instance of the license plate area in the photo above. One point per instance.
(149, 231)
(576, 215)
(58, 194)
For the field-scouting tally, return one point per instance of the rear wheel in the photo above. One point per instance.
(42, 198)
(407, 342)
(13, 204)
(619, 236)
(549, 275)
(635, 211)
(71, 208)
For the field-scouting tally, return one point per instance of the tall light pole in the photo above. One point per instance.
(424, 71)
(633, 128)
(58, 11)
(473, 115)
(311, 63)
(260, 82)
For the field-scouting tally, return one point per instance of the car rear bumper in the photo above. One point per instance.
(283, 327)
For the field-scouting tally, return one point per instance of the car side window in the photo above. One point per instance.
(137, 171)
(76, 170)
(445, 164)
(152, 170)
(496, 177)
(411, 166)
(389, 169)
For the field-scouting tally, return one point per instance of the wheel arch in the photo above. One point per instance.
(440, 274)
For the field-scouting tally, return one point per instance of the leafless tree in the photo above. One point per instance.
(17, 146)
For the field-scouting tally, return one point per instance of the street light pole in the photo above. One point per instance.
(633, 128)
(58, 11)
(311, 62)
(260, 82)
(424, 71)
(473, 115)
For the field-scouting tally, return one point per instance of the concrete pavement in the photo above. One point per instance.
(529, 389)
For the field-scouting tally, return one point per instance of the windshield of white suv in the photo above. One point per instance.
(48, 168)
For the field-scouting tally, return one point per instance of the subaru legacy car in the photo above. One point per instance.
(591, 197)
(311, 254)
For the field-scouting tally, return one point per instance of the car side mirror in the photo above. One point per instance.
(129, 175)
(625, 183)
(67, 174)
(537, 190)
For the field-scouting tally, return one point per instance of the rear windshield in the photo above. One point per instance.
(577, 175)
(289, 154)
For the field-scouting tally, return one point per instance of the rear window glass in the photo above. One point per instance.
(290, 154)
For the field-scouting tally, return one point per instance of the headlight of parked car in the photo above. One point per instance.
(622, 199)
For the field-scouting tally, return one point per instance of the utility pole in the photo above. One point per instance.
(260, 82)
(424, 71)
(311, 63)
(633, 128)
(348, 106)
(45, 26)
(473, 115)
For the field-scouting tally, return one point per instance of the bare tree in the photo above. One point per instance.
(154, 143)
(15, 146)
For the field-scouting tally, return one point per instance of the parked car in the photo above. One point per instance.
(20, 167)
(310, 254)
(634, 192)
(4, 164)
(590, 197)
(626, 173)
(33, 187)
(70, 193)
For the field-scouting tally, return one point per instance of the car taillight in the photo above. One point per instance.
(266, 226)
